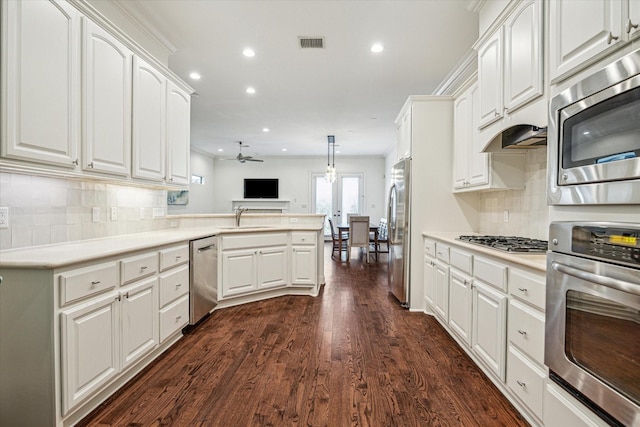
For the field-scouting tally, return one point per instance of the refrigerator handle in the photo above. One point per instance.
(391, 221)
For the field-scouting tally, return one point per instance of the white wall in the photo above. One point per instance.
(294, 174)
(201, 197)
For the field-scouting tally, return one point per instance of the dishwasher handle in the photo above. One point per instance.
(206, 248)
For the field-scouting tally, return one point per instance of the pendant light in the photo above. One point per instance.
(330, 175)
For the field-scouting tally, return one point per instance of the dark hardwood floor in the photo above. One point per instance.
(350, 357)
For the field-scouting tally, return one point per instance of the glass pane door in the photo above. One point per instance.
(338, 199)
(322, 197)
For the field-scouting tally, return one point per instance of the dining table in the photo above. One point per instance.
(373, 228)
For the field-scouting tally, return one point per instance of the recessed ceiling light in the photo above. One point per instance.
(284, 149)
(377, 48)
(251, 90)
(220, 149)
(586, 132)
(265, 129)
(337, 151)
(249, 53)
(195, 76)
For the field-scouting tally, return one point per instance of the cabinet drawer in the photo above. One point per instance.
(526, 330)
(173, 256)
(174, 284)
(442, 252)
(253, 240)
(430, 248)
(77, 284)
(140, 266)
(528, 287)
(303, 238)
(174, 317)
(526, 381)
(490, 273)
(463, 261)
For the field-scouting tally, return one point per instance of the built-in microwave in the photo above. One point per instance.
(594, 138)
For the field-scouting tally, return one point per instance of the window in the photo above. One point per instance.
(196, 179)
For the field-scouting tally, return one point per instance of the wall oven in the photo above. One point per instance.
(592, 340)
(594, 138)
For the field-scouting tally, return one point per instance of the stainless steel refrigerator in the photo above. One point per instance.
(398, 216)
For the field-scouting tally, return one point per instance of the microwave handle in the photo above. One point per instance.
(620, 285)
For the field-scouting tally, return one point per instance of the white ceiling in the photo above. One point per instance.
(303, 95)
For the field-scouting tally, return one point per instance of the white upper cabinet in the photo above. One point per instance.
(632, 23)
(523, 68)
(403, 124)
(581, 31)
(462, 134)
(40, 47)
(490, 79)
(178, 135)
(149, 121)
(106, 138)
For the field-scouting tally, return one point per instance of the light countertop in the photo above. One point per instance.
(535, 261)
(63, 254)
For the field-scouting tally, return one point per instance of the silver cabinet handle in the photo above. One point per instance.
(90, 165)
(620, 285)
(521, 332)
(94, 283)
(521, 384)
(178, 257)
(178, 318)
(611, 38)
(171, 179)
(75, 162)
(178, 285)
(143, 268)
(523, 290)
(631, 26)
(118, 298)
(1, 279)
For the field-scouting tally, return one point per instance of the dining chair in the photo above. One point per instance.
(358, 234)
(383, 237)
(335, 239)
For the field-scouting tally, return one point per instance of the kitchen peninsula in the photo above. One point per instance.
(80, 319)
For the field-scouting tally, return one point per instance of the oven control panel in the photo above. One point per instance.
(620, 244)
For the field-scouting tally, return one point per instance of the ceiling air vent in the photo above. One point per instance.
(311, 42)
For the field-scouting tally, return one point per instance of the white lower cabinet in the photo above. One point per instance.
(139, 308)
(526, 380)
(429, 278)
(272, 267)
(460, 299)
(303, 265)
(489, 327)
(249, 270)
(90, 348)
(441, 291)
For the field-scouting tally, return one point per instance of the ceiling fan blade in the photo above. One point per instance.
(253, 160)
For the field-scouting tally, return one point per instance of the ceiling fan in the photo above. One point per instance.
(242, 159)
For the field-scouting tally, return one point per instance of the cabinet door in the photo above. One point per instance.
(178, 131)
(139, 313)
(106, 138)
(404, 136)
(239, 270)
(490, 79)
(462, 135)
(149, 121)
(41, 54)
(429, 281)
(478, 162)
(460, 305)
(441, 291)
(489, 327)
(632, 23)
(581, 30)
(523, 66)
(272, 267)
(90, 349)
(303, 265)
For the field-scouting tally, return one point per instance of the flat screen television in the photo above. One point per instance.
(263, 188)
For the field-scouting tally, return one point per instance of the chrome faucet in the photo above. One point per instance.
(239, 211)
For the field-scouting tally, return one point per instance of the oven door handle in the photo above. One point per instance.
(620, 285)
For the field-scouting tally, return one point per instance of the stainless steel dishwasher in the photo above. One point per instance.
(203, 272)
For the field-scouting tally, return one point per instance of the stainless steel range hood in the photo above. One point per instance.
(524, 136)
(518, 137)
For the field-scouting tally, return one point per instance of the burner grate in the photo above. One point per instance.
(508, 243)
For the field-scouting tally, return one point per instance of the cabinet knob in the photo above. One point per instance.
(90, 165)
(75, 162)
(171, 179)
(631, 26)
(611, 38)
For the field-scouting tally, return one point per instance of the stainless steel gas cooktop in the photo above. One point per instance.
(508, 243)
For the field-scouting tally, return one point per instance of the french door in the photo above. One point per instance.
(337, 199)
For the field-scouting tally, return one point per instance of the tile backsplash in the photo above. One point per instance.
(46, 210)
(528, 210)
